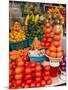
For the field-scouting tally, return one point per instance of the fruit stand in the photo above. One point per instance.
(37, 45)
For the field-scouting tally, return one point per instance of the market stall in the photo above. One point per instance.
(37, 45)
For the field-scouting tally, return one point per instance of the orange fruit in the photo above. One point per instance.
(57, 31)
(52, 49)
(57, 37)
(59, 49)
(59, 54)
(56, 43)
(53, 54)
(48, 52)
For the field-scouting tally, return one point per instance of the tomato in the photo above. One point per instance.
(18, 77)
(23, 84)
(38, 79)
(29, 76)
(19, 59)
(47, 73)
(10, 84)
(59, 54)
(10, 65)
(47, 44)
(18, 82)
(10, 72)
(48, 52)
(32, 85)
(57, 31)
(33, 69)
(32, 64)
(38, 74)
(48, 36)
(49, 40)
(43, 44)
(28, 70)
(49, 81)
(48, 30)
(53, 49)
(43, 83)
(56, 43)
(53, 54)
(20, 64)
(25, 58)
(47, 68)
(26, 86)
(44, 40)
(29, 81)
(38, 84)
(47, 25)
(57, 37)
(27, 64)
(59, 49)
(19, 70)
(46, 78)
(11, 78)
(38, 68)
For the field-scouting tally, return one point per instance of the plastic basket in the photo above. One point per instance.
(18, 45)
(38, 59)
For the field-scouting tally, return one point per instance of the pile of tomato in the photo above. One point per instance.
(26, 74)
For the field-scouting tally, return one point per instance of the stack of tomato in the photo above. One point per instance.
(25, 74)
(47, 40)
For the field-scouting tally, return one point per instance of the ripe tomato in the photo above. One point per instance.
(19, 70)
(49, 81)
(48, 36)
(19, 59)
(46, 78)
(57, 37)
(56, 43)
(38, 79)
(10, 84)
(28, 70)
(47, 73)
(59, 54)
(20, 64)
(38, 74)
(18, 77)
(29, 76)
(47, 25)
(43, 83)
(49, 40)
(25, 58)
(27, 64)
(48, 52)
(38, 68)
(42, 44)
(53, 54)
(47, 44)
(44, 40)
(57, 31)
(47, 68)
(32, 85)
(29, 81)
(10, 78)
(10, 65)
(18, 82)
(26, 86)
(59, 49)
(10, 71)
(48, 30)
(33, 69)
(38, 84)
(23, 84)
(32, 64)
(53, 48)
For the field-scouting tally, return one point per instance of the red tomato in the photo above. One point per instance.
(47, 73)
(19, 70)
(10, 84)
(49, 81)
(28, 70)
(43, 44)
(19, 59)
(49, 40)
(26, 86)
(38, 74)
(23, 84)
(18, 82)
(43, 83)
(11, 78)
(48, 30)
(29, 81)
(38, 79)
(32, 85)
(20, 64)
(56, 43)
(29, 76)
(18, 77)
(47, 52)
(10, 72)
(46, 78)
(48, 36)
(32, 64)
(10, 65)
(47, 44)
(27, 64)
(33, 69)
(47, 68)
(38, 84)
(25, 58)
(44, 40)
(38, 68)
(57, 37)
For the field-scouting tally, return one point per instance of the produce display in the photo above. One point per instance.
(34, 43)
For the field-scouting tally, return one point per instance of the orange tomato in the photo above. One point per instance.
(57, 37)
(48, 30)
(57, 31)
(56, 43)
(53, 54)
(59, 54)
(59, 49)
(52, 49)
(47, 25)
(48, 52)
